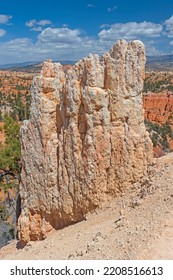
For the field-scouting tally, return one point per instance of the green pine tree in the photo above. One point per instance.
(10, 153)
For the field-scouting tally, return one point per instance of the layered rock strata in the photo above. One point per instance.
(159, 107)
(85, 141)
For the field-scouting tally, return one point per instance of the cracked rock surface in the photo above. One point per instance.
(136, 225)
(85, 141)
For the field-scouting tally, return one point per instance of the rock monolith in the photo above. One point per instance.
(85, 141)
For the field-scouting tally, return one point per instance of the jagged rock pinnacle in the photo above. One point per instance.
(85, 140)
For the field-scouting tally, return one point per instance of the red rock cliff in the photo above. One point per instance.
(159, 106)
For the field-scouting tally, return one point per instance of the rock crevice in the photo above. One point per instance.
(85, 141)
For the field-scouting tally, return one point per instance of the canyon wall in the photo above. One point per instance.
(159, 107)
(85, 141)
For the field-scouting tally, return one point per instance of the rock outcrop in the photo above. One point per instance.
(159, 107)
(85, 141)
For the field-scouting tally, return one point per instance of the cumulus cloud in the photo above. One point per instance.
(169, 27)
(55, 43)
(72, 44)
(2, 32)
(15, 50)
(31, 23)
(4, 18)
(111, 9)
(59, 35)
(18, 43)
(37, 25)
(131, 30)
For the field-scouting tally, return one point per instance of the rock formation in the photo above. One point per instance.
(85, 141)
(159, 107)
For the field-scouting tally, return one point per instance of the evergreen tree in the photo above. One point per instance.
(10, 153)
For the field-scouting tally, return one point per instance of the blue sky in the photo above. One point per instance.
(68, 30)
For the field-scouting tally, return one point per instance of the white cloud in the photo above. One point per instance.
(4, 18)
(73, 44)
(37, 28)
(169, 27)
(111, 9)
(60, 35)
(151, 50)
(169, 21)
(15, 50)
(54, 43)
(37, 25)
(2, 32)
(18, 44)
(131, 30)
(44, 22)
(31, 23)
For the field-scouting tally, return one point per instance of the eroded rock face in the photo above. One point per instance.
(85, 140)
(159, 107)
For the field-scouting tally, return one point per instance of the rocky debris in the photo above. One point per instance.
(85, 141)
(7, 233)
(8, 222)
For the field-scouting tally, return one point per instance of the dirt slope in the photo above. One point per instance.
(137, 225)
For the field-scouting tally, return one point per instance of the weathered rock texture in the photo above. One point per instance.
(85, 140)
(159, 107)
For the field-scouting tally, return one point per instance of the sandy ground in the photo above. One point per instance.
(137, 225)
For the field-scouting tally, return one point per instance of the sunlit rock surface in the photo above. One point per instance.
(85, 141)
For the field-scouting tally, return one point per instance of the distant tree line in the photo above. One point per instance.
(157, 86)
(18, 105)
